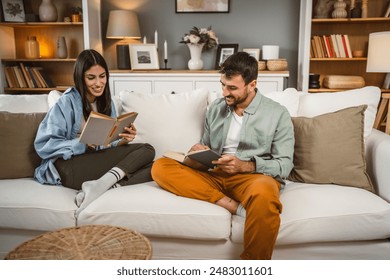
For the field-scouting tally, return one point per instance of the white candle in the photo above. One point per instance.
(156, 38)
(144, 40)
(165, 50)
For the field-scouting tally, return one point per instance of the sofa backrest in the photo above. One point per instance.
(24, 103)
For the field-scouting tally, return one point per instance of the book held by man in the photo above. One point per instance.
(200, 159)
(101, 129)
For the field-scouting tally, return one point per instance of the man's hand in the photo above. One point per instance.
(198, 147)
(233, 165)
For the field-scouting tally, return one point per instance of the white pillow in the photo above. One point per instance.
(24, 103)
(288, 98)
(167, 121)
(53, 97)
(311, 105)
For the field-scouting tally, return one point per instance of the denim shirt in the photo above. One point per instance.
(57, 136)
(266, 137)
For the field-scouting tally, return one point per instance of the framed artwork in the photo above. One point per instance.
(202, 6)
(13, 10)
(143, 56)
(253, 52)
(223, 52)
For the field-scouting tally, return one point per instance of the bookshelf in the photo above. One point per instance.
(78, 35)
(357, 29)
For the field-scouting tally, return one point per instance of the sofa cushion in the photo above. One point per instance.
(24, 103)
(311, 105)
(167, 121)
(26, 204)
(17, 133)
(153, 211)
(328, 213)
(330, 149)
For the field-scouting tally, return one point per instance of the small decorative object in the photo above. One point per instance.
(47, 11)
(197, 40)
(323, 8)
(277, 64)
(67, 19)
(357, 53)
(253, 52)
(31, 47)
(270, 52)
(364, 8)
(76, 13)
(356, 11)
(13, 11)
(314, 80)
(343, 81)
(62, 51)
(339, 9)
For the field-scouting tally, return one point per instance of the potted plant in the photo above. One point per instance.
(76, 13)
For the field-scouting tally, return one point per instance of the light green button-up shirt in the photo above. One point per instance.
(267, 134)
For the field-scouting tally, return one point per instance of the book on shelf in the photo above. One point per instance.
(46, 78)
(331, 46)
(101, 129)
(201, 159)
(10, 77)
(26, 75)
(36, 77)
(19, 77)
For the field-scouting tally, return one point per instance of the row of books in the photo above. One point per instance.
(330, 46)
(21, 76)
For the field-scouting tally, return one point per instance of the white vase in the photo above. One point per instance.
(195, 63)
(47, 11)
(62, 51)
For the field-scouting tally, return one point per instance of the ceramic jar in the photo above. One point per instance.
(31, 47)
(47, 11)
(62, 51)
(339, 9)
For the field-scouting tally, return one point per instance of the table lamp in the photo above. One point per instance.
(123, 24)
(378, 57)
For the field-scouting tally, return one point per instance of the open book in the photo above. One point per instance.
(101, 129)
(196, 159)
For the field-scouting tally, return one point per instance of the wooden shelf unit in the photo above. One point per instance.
(78, 36)
(358, 30)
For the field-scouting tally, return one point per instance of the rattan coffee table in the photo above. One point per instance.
(91, 242)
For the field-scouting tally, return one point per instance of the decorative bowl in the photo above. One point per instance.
(277, 64)
(261, 65)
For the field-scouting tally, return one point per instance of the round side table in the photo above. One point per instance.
(90, 242)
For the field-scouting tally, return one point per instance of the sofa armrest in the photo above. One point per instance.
(378, 159)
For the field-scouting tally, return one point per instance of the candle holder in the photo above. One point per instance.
(165, 65)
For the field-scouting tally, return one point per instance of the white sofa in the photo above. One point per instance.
(319, 221)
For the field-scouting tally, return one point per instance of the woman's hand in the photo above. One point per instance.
(129, 135)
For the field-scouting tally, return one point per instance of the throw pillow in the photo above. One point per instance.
(329, 149)
(17, 133)
(167, 121)
(311, 105)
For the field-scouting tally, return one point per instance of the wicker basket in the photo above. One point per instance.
(93, 242)
(277, 64)
(261, 65)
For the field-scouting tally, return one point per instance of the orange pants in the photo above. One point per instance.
(258, 193)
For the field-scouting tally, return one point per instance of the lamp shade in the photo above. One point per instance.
(378, 58)
(123, 24)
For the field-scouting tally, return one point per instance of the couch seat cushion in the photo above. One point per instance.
(26, 204)
(155, 212)
(327, 213)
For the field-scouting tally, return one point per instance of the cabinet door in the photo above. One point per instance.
(211, 86)
(269, 84)
(135, 86)
(172, 86)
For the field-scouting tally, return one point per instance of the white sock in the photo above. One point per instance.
(241, 211)
(91, 190)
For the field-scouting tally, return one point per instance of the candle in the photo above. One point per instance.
(165, 50)
(144, 40)
(156, 38)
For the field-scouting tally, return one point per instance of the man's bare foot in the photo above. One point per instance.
(228, 203)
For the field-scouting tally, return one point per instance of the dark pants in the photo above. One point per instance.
(134, 159)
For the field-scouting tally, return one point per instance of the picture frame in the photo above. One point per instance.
(143, 57)
(13, 10)
(253, 52)
(202, 6)
(223, 52)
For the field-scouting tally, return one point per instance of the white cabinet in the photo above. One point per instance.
(185, 80)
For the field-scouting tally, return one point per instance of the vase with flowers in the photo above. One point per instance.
(197, 40)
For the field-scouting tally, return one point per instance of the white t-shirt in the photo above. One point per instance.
(233, 135)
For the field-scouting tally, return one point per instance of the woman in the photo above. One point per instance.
(88, 168)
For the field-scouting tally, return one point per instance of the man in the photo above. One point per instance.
(255, 136)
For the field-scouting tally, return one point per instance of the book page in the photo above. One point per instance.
(96, 131)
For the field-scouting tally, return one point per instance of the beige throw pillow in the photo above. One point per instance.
(330, 149)
(17, 133)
